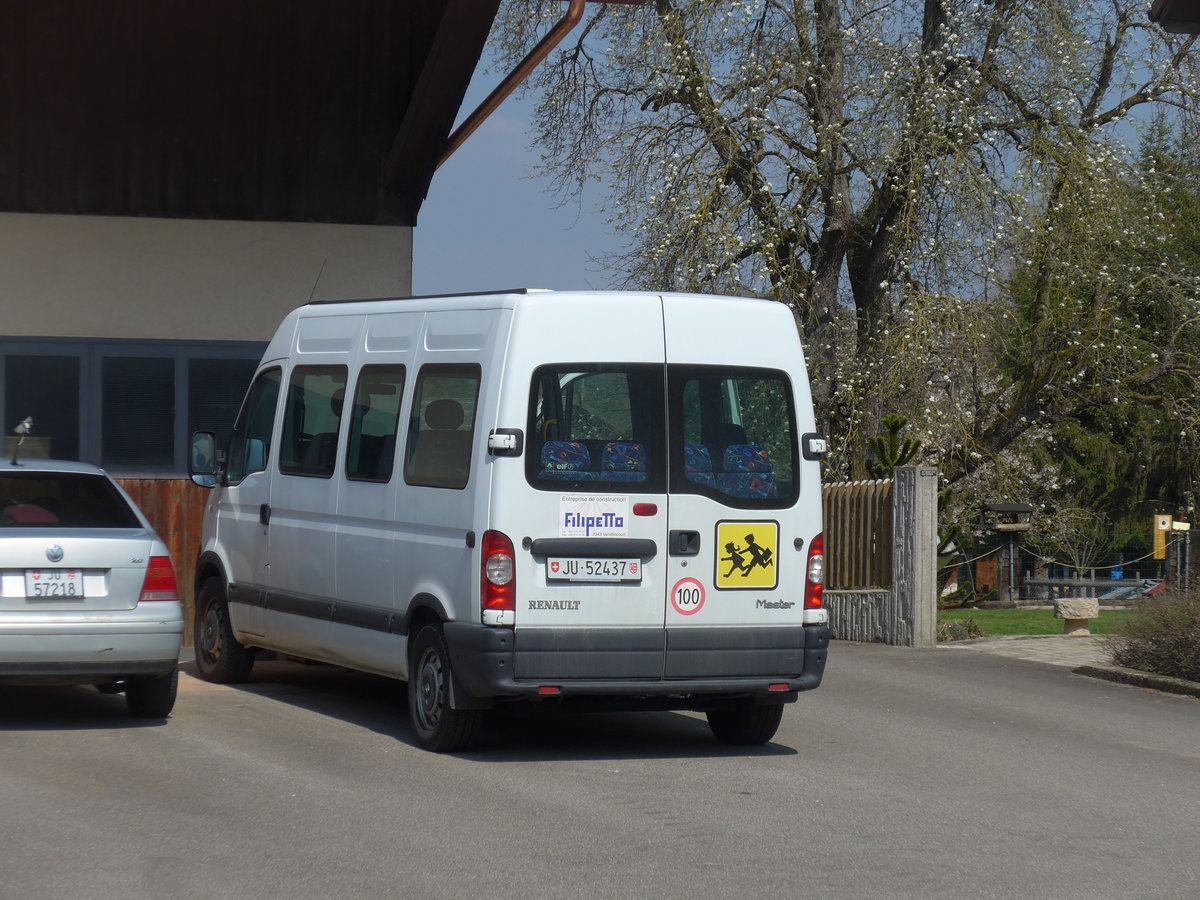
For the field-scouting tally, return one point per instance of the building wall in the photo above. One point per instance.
(185, 279)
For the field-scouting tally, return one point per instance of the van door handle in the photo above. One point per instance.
(683, 543)
(264, 514)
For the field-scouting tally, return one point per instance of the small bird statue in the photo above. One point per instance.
(23, 428)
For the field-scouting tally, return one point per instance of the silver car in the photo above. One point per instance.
(87, 590)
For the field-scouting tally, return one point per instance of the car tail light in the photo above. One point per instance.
(159, 583)
(498, 582)
(814, 583)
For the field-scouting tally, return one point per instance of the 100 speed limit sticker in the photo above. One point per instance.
(687, 596)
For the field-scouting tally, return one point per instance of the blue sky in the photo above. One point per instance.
(488, 224)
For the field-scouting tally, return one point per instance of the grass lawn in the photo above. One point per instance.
(1027, 621)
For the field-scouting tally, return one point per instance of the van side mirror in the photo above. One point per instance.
(202, 460)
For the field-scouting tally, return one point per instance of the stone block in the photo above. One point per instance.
(1076, 608)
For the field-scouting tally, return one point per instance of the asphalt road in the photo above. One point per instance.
(907, 774)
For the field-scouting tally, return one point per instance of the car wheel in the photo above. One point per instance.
(439, 728)
(152, 696)
(219, 657)
(745, 722)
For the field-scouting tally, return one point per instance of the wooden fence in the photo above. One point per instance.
(858, 534)
(176, 509)
(881, 558)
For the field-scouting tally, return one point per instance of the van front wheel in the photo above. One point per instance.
(439, 727)
(219, 657)
(745, 723)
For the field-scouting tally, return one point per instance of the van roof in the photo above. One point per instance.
(525, 291)
(433, 296)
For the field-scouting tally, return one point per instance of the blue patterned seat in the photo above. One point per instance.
(697, 465)
(748, 473)
(566, 461)
(624, 461)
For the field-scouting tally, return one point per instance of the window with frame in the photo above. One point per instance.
(250, 443)
(315, 397)
(441, 427)
(594, 426)
(374, 423)
(45, 389)
(216, 388)
(733, 435)
(138, 409)
(127, 405)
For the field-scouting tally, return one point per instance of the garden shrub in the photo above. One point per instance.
(958, 631)
(1161, 635)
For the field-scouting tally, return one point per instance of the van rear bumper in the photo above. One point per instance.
(500, 662)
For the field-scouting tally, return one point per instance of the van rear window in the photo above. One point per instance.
(597, 427)
(732, 431)
(733, 435)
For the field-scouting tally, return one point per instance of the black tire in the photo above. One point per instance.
(745, 723)
(219, 657)
(439, 728)
(152, 696)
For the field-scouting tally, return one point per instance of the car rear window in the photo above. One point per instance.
(62, 500)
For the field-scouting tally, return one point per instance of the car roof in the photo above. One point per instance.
(32, 464)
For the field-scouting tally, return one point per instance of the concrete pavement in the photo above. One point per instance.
(1055, 649)
(1083, 655)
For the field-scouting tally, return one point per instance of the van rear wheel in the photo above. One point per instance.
(439, 727)
(745, 723)
(219, 657)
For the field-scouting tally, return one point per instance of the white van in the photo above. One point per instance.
(611, 498)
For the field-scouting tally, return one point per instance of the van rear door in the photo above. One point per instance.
(592, 505)
(744, 507)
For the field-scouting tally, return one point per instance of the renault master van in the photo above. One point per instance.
(596, 498)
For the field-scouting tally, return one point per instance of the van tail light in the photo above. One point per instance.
(159, 583)
(814, 582)
(498, 579)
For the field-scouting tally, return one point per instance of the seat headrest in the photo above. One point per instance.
(444, 415)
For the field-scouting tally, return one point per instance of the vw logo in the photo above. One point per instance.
(54, 553)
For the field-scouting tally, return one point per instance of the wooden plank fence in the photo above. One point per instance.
(176, 510)
(858, 534)
(881, 558)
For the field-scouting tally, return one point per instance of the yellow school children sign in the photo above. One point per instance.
(746, 555)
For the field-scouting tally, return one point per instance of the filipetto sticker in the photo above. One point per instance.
(584, 515)
(747, 555)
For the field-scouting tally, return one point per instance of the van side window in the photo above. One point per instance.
(310, 425)
(733, 435)
(597, 425)
(441, 428)
(374, 421)
(250, 443)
